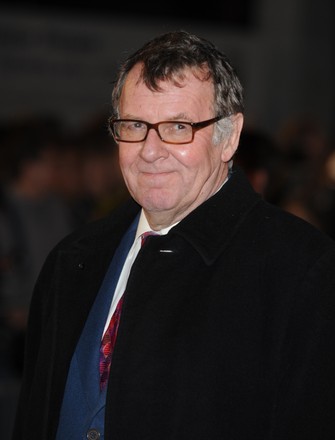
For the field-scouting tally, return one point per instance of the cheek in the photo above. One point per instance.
(188, 155)
(126, 160)
(198, 158)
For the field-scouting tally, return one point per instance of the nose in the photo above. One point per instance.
(153, 147)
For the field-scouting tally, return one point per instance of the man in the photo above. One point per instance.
(226, 329)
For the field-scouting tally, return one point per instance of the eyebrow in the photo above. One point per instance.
(182, 116)
(177, 117)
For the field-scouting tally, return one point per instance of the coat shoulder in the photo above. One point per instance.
(98, 232)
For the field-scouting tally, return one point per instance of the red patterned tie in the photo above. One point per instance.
(109, 338)
(107, 345)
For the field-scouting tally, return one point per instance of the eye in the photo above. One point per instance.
(175, 128)
(179, 126)
(134, 125)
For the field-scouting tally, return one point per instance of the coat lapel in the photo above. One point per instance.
(211, 226)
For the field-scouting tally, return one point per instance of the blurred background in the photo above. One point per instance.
(58, 165)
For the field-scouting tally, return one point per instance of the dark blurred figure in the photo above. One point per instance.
(260, 158)
(67, 181)
(102, 184)
(304, 192)
(324, 198)
(32, 218)
(87, 174)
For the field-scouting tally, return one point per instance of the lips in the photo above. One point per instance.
(155, 172)
(155, 178)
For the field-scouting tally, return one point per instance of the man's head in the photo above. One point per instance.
(178, 78)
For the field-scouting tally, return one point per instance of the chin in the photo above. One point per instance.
(156, 202)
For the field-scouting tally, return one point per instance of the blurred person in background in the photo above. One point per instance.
(102, 182)
(324, 194)
(258, 155)
(32, 219)
(67, 182)
(87, 173)
(305, 149)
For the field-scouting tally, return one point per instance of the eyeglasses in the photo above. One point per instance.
(171, 132)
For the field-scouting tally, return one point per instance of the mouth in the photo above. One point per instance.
(155, 173)
(156, 177)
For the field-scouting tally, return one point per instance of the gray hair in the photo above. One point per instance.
(166, 57)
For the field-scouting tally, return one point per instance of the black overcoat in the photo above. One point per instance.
(227, 329)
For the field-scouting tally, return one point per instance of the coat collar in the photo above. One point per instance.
(211, 226)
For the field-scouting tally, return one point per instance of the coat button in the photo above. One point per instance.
(93, 434)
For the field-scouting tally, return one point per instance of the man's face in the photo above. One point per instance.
(167, 180)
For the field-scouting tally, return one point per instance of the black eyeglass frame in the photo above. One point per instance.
(194, 125)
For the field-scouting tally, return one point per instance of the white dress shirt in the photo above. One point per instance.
(143, 226)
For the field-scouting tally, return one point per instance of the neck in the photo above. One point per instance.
(159, 221)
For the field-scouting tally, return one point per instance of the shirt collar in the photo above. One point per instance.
(143, 226)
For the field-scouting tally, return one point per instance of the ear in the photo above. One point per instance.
(231, 143)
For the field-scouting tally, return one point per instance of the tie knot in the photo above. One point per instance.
(145, 235)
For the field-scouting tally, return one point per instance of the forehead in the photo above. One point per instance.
(188, 87)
